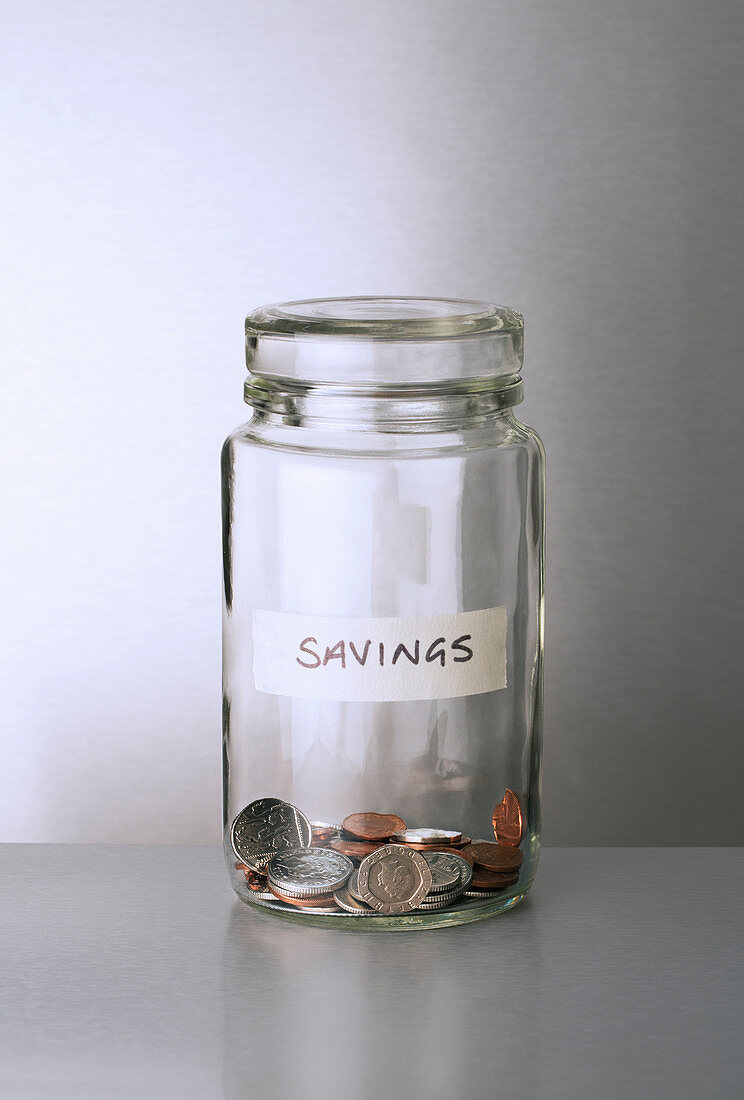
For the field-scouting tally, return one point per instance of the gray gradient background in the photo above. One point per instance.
(172, 164)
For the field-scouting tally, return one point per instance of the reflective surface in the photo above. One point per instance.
(135, 972)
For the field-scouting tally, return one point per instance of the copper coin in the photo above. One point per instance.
(422, 837)
(355, 849)
(322, 901)
(495, 892)
(495, 857)
(507, 820)
(371, 826)
(462, 842)
(255, 881)
(491, 880)
(428, 847)
(323, 832)
(273, 902)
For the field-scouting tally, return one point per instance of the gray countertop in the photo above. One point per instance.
(135, 972)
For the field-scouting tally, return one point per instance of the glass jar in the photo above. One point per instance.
(383, 583)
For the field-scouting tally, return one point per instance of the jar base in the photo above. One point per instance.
(463, 912)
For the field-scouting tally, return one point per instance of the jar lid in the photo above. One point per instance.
(385, 341)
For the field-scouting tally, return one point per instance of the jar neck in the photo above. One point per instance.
(418, 407)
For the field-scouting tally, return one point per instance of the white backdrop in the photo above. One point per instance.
(173, 164)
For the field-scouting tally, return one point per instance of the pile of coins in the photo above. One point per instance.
(371, 864)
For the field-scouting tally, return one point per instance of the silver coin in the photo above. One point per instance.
(265, 827)
(394, 879)
(445, 871)
(484, 893)
(450, 859)
(348, 902)
(441, 893)
(439, 901)
(320, 911)
(305, 872)
(326, 826)
(353, 884)
(284, 907)
(427, 836)
(270, 903)
(448, 896)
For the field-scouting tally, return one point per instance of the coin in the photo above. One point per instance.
(355, 849)
(319, 901)
(264, 895)
(453, 861)
(343, 835)
(265, 827)
(471, 894)
(269, 902)
(281, 907)
(372, 826)
(255, 880)
(328, 910)
(394, 879)
(445, 873)
(459, 845)
(438, 901)
(462, 842)
(353, 885)
(507, 820)
(492, 880)
(427, 836)
(323, 832)
(307, 872)
(495, 857)
(429, 848)
(347, 901)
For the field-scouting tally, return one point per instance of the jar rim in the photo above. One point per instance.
(384, 318)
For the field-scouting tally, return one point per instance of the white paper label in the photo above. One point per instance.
(379, 660)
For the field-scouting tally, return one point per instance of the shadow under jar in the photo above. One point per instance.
(383, 586)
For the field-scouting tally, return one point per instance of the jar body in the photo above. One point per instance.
(351, 535)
